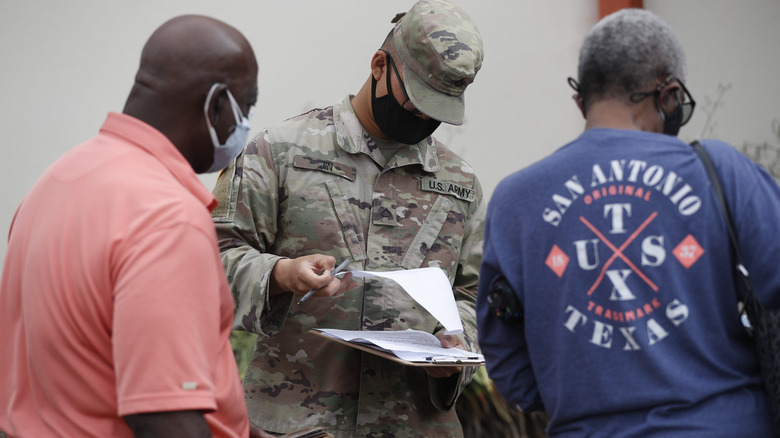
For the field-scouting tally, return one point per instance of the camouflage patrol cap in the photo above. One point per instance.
(441, 51)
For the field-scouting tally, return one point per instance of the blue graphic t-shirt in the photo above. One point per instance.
(617, 252)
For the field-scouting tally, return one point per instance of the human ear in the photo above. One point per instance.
(580, 104)
(669, 97)
(216, 102)
(378, 64)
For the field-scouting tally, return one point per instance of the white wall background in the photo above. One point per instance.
(65, 64)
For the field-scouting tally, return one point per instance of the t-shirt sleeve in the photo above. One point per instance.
(753, 198)
(166, 325)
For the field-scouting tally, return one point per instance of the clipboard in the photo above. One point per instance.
(434, 362)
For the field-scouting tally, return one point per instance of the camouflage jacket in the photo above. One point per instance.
(318, 184)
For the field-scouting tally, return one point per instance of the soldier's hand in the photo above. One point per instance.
(302, 274)
(256, 431)
(447, 341)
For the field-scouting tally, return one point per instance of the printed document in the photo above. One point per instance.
(431, 288)
(407, 345)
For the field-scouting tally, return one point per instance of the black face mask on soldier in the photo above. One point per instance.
(395, 121)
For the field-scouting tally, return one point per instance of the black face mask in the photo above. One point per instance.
(673, 120)
(396, 122)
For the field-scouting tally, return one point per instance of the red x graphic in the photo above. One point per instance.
(618, 252)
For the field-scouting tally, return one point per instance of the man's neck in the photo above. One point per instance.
(615, 114)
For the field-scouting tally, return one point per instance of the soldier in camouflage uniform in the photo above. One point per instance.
(362, 180)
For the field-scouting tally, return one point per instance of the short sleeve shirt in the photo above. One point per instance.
(113, 298)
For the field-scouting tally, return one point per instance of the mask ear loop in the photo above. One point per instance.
(573, 84)
(206, 105)
(237, 114)
(400, 82)
(660, 108)
(577, 97)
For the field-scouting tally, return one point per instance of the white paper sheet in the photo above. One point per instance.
(431, 288)
(410, 345)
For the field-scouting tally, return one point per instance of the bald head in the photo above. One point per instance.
(194, 50)
(179, 63)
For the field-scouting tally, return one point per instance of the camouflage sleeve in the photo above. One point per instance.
(246, 224)
(444, 392)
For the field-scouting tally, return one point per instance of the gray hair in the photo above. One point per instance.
(626, 52)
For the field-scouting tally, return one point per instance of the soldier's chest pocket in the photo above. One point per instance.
(439, 234)
(316, 216)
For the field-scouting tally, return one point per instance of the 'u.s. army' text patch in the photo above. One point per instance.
(447, 188)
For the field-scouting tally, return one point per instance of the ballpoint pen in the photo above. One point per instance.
(333, 273)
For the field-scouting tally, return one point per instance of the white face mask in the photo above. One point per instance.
(225, 153)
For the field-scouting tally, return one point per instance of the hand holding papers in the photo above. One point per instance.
(409, 347)
(431, 288)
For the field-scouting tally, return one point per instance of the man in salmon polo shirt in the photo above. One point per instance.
(114, 308)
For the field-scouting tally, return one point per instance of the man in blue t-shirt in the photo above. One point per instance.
(607, 289)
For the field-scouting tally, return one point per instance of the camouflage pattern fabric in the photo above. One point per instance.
(319, 184)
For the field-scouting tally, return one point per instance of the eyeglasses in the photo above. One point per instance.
(413, 110)
(688, 104)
